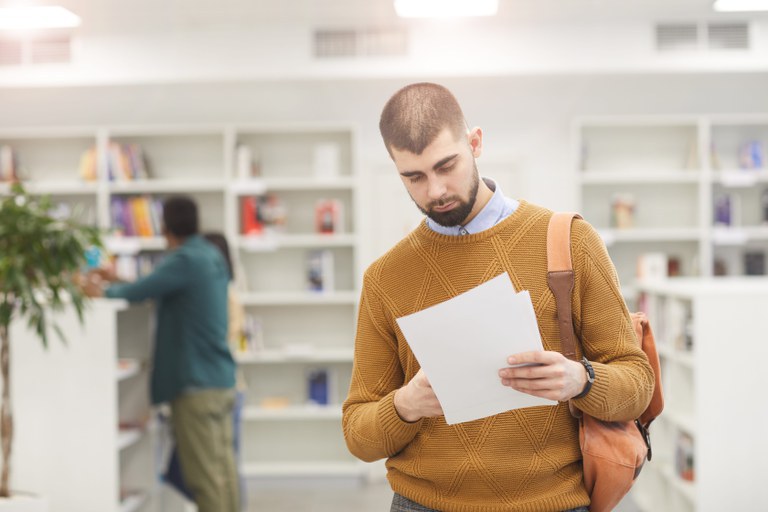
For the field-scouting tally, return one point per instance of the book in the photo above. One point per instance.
(754, 263)
(329, 216)
(325, 160)
(652, 265)
(262, 212)
(727, 210)
(248, 165)
(622, 211)
(320, 270)
(320, 386)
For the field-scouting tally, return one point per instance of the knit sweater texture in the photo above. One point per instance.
(521, 460)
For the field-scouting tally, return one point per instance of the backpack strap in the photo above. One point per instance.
(560, 276)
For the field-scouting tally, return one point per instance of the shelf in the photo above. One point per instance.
(301, 413)
(309, 355)
(258, 186)
(738, 178)
(133, 244)
(133, 502)
(128, 437)
(303, 469)
(127, 368)
(640, 177)
(273, 242)
(60, 188)
(738, 235)
(165, 186)
(298, 298)
(612, 236)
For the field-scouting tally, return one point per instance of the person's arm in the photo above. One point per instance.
(624, 379)
(372, 427)
(169, 276)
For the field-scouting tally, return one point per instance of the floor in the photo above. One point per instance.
(375, 497)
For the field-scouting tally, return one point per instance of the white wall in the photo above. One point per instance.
(526, 119)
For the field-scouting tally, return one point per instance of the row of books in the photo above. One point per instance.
(751, 155)
(325, 164)
(136, 215)
(321, 389)
(126, 162)
(728, 208)
(264, 213)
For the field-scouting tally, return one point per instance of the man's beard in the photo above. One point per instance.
(458, 215)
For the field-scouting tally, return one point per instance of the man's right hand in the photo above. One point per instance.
(417, 400)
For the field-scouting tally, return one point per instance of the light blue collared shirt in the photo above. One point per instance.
(498, 208)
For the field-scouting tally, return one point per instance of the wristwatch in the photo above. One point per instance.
(590, 377)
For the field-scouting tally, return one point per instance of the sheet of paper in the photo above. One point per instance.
(463, 342)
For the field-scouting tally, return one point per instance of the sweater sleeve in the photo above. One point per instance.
(169, 276)
(372, 427)
(623, 377)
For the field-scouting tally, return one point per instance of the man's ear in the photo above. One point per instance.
(475, 139)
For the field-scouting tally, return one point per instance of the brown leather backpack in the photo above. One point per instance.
(613, 452)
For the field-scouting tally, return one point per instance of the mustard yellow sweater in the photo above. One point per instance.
(522, 460)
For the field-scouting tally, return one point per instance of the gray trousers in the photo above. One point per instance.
(403, 504)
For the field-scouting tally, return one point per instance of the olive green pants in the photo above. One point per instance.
(202, 426)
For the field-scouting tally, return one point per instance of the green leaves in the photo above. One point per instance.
(40, 257)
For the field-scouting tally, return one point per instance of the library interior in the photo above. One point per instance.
(647, 117)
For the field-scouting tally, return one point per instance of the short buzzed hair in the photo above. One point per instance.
(416, 114)
(180, 216)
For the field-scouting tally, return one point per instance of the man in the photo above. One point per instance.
(524, 459)
(193, 369)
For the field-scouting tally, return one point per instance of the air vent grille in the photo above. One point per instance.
(688, 37)
(677, 37)
(360, 43)
(728, 36)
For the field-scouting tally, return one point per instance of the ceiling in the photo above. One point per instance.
(141, 15)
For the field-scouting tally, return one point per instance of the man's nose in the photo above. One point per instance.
(437, 188)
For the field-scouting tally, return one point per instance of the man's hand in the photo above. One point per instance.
(417, 400)
(546, 374)
(91, 284)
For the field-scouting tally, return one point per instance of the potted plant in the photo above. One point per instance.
(40, 257)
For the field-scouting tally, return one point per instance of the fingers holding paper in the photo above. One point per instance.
(417, 399)
(545, 374)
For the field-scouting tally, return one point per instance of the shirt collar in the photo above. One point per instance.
(497, 209)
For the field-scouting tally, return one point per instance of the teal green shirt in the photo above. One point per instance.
(190, 289)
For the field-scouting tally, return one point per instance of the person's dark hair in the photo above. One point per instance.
(416, 114)
(180, 216)
(220, 241)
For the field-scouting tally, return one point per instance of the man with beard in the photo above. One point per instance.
(524, 459)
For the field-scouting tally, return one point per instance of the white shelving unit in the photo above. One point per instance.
(302, 330)
(86, 403)
(712, 358)
(674, 169)
(300, 164)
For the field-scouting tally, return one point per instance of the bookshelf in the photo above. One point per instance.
(671, 172)
(300, 330)
(221, 166)
(711, 362)
(87, 403)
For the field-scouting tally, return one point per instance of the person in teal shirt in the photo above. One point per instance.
(193, 368)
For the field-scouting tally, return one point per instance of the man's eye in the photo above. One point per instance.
(448, 168)
(415, 179)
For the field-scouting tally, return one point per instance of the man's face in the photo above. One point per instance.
(443, 180)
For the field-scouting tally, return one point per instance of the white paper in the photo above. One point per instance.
(462, 343)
